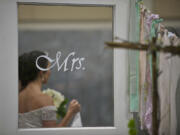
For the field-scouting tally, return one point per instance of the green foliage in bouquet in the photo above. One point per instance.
(61, 110)
(132, 127)
(59, 101)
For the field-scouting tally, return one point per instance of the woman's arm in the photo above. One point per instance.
(63, 123)
(73, 108)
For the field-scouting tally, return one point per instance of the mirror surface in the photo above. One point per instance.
(72, 38)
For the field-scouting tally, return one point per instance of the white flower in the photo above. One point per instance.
(57, 97)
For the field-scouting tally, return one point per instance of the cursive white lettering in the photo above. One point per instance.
(55, 61)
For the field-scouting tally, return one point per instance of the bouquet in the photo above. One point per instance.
(59, 101)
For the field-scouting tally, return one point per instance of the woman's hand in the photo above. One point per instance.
(74, 107)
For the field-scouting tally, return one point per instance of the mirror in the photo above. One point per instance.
(70, 39)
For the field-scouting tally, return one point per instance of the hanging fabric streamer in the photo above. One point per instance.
(133, 76)
(140, 73)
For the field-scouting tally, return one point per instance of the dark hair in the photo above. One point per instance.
(28, 71)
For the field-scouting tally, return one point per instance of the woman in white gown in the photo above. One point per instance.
(36, 109)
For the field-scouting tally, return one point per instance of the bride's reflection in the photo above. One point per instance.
(72, 38)
(37, 109)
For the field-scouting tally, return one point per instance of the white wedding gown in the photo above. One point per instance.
(33, 119)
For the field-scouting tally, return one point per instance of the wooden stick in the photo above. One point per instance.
(154, 93)
(153, 49)
(175, 50)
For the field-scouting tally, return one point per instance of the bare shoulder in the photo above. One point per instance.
(45, 100)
